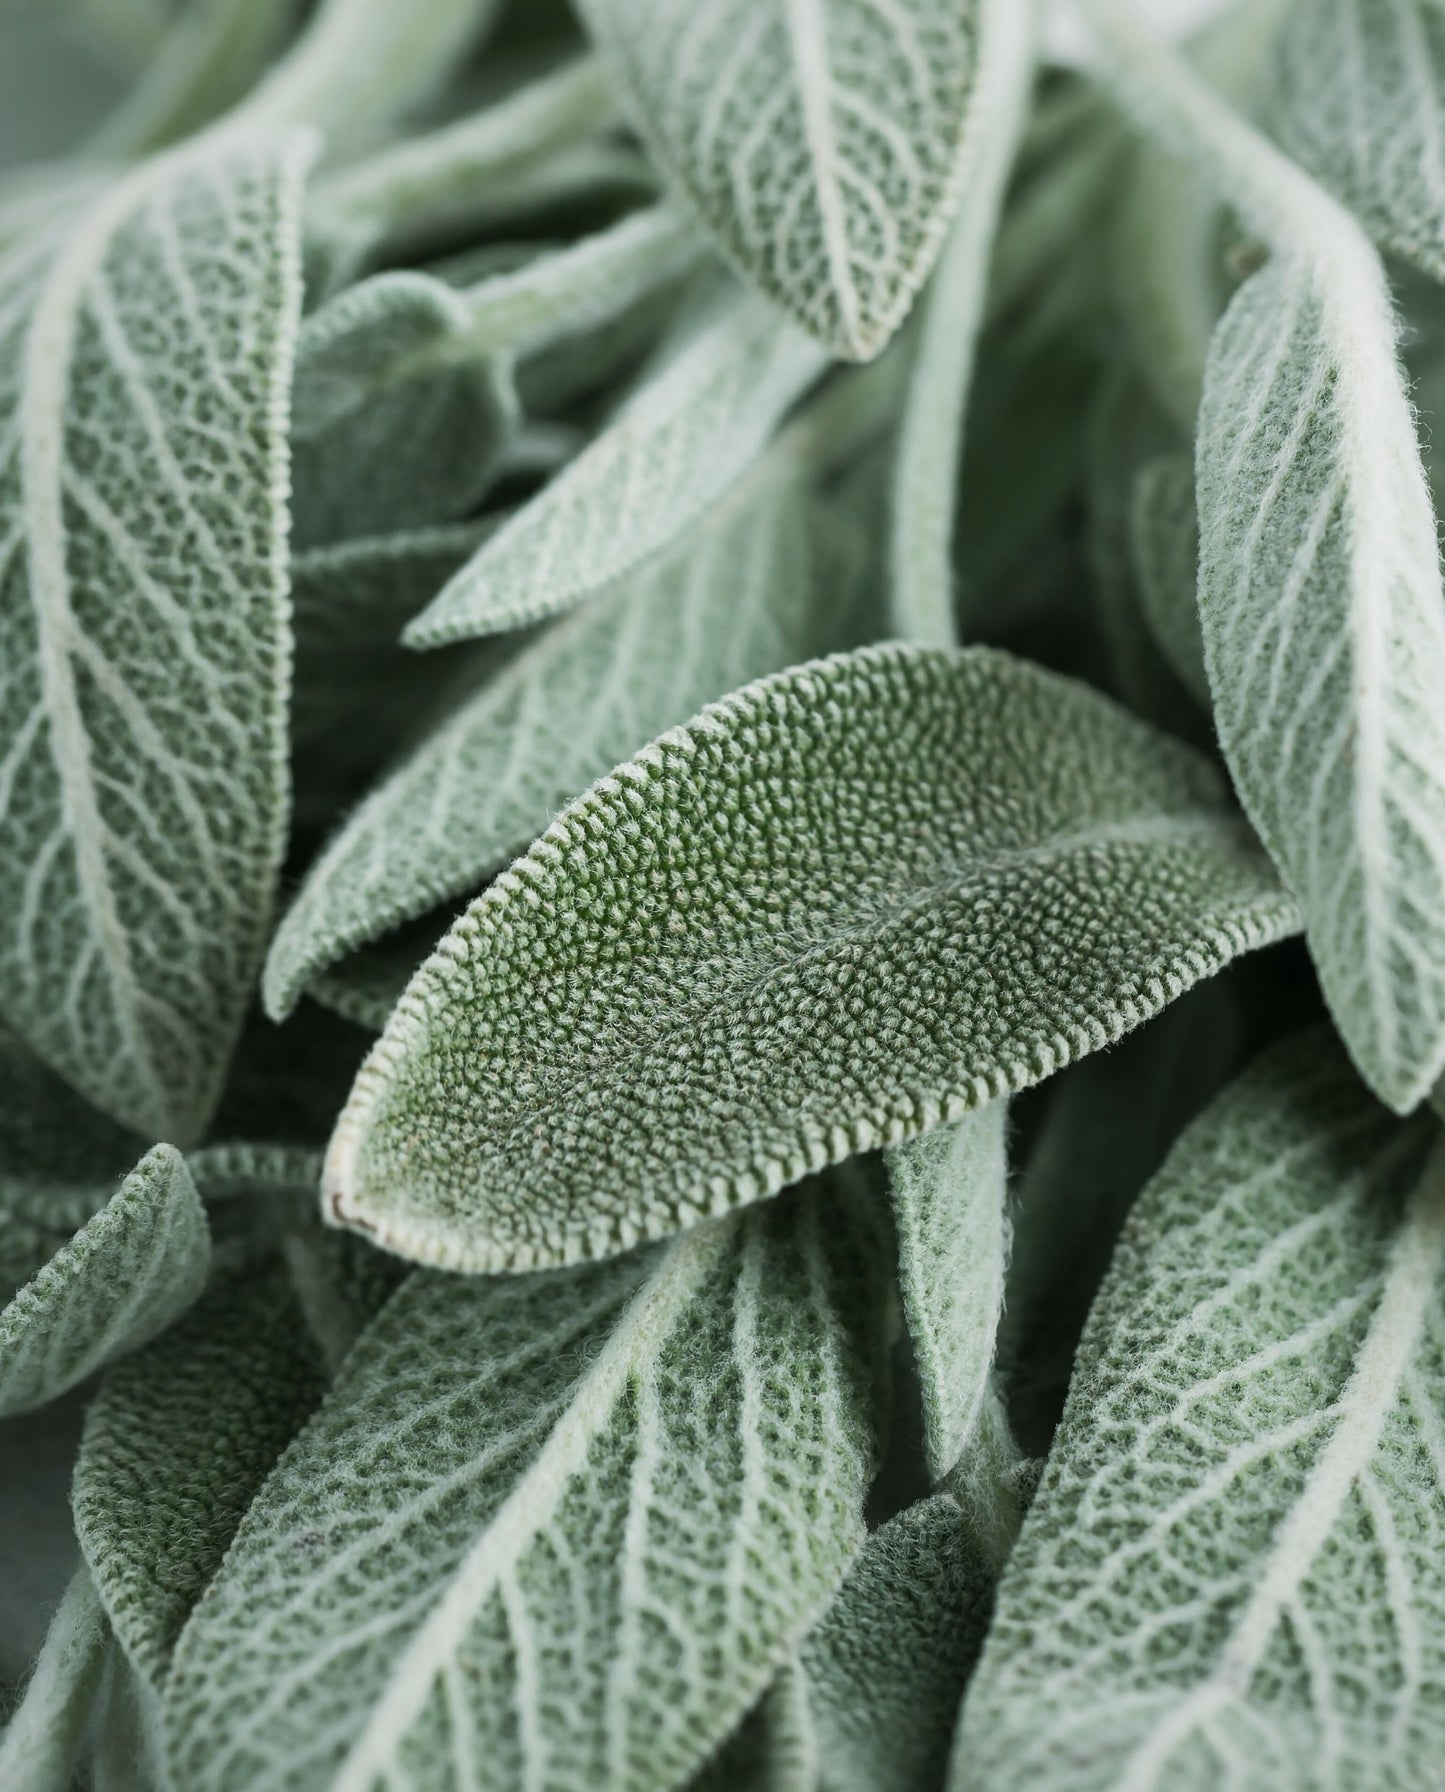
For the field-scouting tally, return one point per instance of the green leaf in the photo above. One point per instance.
(949, 1210)
(931, 428)
(871, 1698)
(1231, 1570)
(123, 1277)
(41, 1744)
(690, 429)
(144, 367)
(1378, 66)
(176, 1445)
(397, 426)
(756, 586)
(1320, 590)
(1164, 536)
(821, 141)
(126, 1744)
(845, 905)
(560, 1527)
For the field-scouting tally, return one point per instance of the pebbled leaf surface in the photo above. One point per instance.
(849, 903)
(144, 642)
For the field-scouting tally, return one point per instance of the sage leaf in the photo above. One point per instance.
(812, 922)
(521, 1494)
(1231, 1554)
(753, 588)
(144, 366)
(125, 1751)
(689, 430)
(821, 141)
(1164, 535)
(177, 1443)
(931, 428)
(122, 1279)
(1361, 103)
(1320, 590)
(949, 1211)
(41, 1744)
(395, 429)
(871, 1697)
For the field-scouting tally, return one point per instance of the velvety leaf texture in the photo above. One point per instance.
(1362, 104)
(1232, 1572)
(949, 1193)
(819, 139)
(849, 903)
(554, 1530)
(752, 589)
(42, 1742)
(690, 428)
(144, 645)
(123, 1277)
(176, 1445)
(1164, 529)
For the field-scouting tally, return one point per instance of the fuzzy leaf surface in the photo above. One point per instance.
(755, 587)
(820, 140)
(1361, 102)
(690, 429)
(1324, 637)
(124, 1277)
(144, 645)
(176, 1444)
(949, 1194)
(1232, 1570)
(1164, 536)
(41, 1744)
(550, 1530)
(847, 904)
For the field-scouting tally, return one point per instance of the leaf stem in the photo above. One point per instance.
(422, 187)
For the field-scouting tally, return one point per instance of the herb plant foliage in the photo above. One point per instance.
(722, 897)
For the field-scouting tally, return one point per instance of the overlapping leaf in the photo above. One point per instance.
(122, 1279)
(689, 430)
(552, 1529)
(819, 139)
(758, 585)
(1361, 103)
(1232, 1571)
(144, 368)
(177, 1443)
(42, 1742)
(847, 904)
(1164, 529)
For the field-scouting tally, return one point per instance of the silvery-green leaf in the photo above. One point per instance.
(396, 427)
(992, 1482)
(1106, 1128)
(932, 425)
(341, 1283)
(368, 983)
(125, 1745)
(177, 1443)
(690, 429)
(223, 1172)
(442, 186)
(1232, 1571)
(871, 1697)
(144, 366)
(949, 1192)
(41, 1744)
(820, 140)
(206, 60)
(813, 921)
(555, 1529)
(1361, 102)
(124, 1277)
(359, 62)
(1320, 590)
(1164, 535)
(753, 588)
